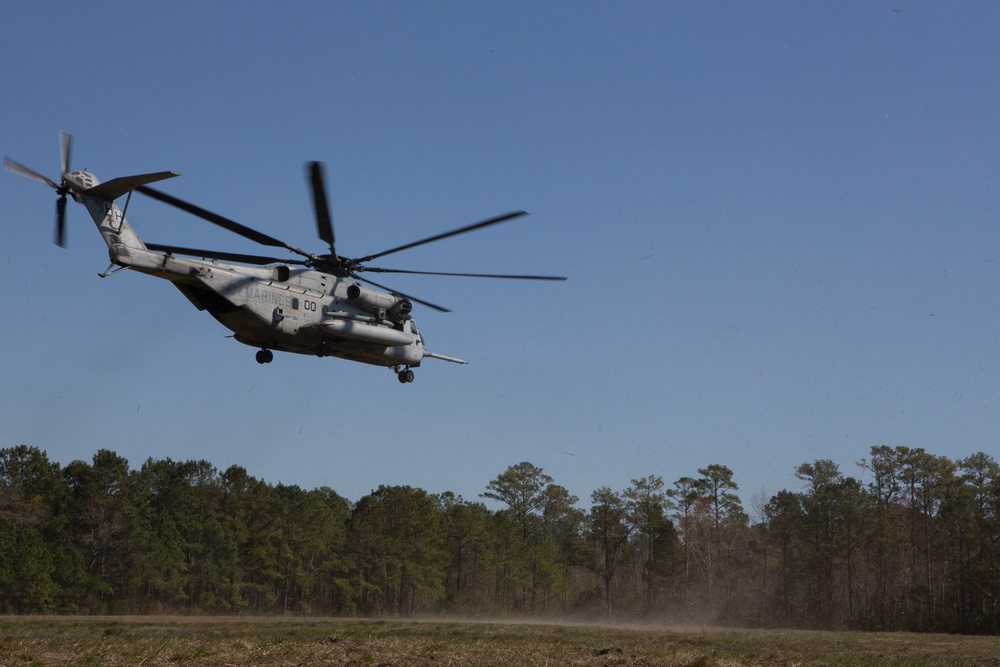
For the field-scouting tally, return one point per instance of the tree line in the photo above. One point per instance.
(914, 546)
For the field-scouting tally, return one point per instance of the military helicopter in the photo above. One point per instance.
(315, 304)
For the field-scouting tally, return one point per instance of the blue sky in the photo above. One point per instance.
(778, 220)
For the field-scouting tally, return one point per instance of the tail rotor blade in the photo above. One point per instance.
(65, 141)
(65, 144)
(61, 222)
(10, 165)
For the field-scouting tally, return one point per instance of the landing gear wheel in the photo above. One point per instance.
(265, 356)
(405, 376)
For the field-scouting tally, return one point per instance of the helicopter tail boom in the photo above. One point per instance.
(125, 248)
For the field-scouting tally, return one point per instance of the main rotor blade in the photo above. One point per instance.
(461, 275)
(225, 256)
(65, 144)
(324, 223)
(217, 219)
(10, 165)
(455, 232)
(405, 296)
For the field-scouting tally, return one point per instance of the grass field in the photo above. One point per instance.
(37, 641)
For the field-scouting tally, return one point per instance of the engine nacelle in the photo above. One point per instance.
(377, 302)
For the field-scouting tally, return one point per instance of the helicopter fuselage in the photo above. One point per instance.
(284, 308)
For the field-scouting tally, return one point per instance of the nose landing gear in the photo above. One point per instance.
(405, 375)
(265, 356)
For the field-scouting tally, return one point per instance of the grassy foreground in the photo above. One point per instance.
(38, 641)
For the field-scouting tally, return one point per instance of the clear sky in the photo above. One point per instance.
(779, 221)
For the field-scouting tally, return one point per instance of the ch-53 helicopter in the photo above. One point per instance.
(316, 305)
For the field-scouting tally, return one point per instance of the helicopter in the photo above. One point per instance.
(314, 304)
